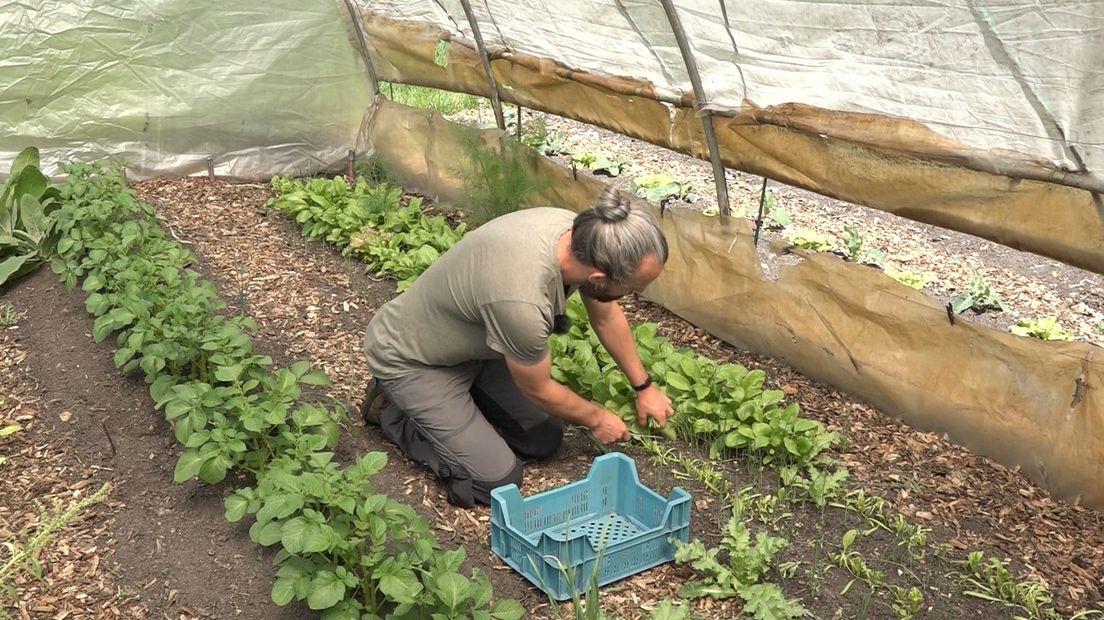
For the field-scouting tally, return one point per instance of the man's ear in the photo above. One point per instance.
(597, 277)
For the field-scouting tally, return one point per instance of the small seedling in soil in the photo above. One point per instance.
(916, 280)
(853, 562)
(978, 296)
(856, 252)
(775, 217)
(661, 188)
(992, 581)
(912, 537)
(8, 314)
(600, 162)
(812, 240)
(1046, 328)
(545, 142)
(907, 603)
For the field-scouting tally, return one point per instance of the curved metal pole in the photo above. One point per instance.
(373, 80)
(496, 103)
(699, 103)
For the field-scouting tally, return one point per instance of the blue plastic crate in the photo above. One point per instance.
(608, 520)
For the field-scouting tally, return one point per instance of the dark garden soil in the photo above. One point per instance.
(177, 557)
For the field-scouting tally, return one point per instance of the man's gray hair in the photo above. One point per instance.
(615, 235)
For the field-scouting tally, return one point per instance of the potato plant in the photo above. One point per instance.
(232, 411)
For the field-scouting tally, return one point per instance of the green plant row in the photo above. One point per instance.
(723, 405)
(343, 548)
(368, 221)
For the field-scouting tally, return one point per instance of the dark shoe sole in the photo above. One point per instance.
(375, 400)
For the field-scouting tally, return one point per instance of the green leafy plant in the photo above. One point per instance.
(24, 549)
(600, 162)
(857, 252)
(912, 537)
(872, 508)
(661, 188)
(370, 222)
(775, 216)
(978, 296)
(738, 574)
(9, 315)
(232, 411)
(545, 142)
(347, 549)
(991, 580)
(853, 562)
(811, 240)
(820, 486)
(915, 280)
(1045, 328)
(27, 236)
(496, 179)
(723, 405)
(907, 603)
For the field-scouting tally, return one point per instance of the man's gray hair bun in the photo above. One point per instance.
(615, 235)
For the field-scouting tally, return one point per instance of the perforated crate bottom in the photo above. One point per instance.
(603, 530)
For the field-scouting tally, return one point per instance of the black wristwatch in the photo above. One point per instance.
(643, 386)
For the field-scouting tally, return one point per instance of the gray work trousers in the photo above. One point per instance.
(469, 424)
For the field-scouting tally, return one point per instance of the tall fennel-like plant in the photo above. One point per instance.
(497, 179)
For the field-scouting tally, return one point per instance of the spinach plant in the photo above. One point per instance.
(723, 405)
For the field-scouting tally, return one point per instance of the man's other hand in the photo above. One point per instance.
(653, 403)
(609, 427)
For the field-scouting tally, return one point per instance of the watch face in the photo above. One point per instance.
(561, 323)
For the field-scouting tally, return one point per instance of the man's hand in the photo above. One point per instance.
(608, 427)
(653, 403)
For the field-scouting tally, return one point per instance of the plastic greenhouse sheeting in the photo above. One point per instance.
(988, 73)
(164, 84)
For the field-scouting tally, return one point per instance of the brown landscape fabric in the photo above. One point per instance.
(889, 164)
(1025, 403)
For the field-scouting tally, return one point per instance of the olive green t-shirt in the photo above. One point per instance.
(493, 294)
